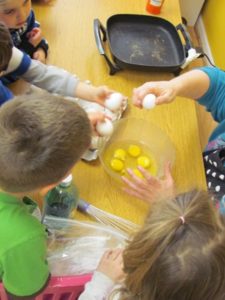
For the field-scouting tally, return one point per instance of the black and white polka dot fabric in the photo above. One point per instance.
(214, 162)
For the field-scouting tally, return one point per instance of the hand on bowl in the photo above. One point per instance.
(150, 188)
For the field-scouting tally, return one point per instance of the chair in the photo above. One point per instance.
(59, 288)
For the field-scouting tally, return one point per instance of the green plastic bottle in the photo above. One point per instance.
(62, 200)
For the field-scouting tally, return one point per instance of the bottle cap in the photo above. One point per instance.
(66, 181)
(154, 9)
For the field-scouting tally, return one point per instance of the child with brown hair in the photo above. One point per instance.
(53, 79)
(41, 139)
(179, 253)
(26, 34)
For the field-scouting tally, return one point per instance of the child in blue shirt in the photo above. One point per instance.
(26, 34)
(55, 80)
(25, 31)
(207, 86)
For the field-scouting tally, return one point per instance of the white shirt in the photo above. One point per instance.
(99, 288)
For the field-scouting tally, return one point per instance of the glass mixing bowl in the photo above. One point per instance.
(136, 142)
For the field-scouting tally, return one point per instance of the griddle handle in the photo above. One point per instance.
(98, 28)
(186, 36)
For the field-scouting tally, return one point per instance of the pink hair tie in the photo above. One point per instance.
(182, 219)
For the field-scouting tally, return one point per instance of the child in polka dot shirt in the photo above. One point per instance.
(207, 86)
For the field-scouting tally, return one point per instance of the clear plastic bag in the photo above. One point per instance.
(75, 247)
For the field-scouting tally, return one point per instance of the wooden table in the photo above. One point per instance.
(68, 26)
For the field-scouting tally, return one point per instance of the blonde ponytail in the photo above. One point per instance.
(170, 256)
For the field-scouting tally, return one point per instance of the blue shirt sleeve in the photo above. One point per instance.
(23, 67)
(214, 98)
(31, 23)
(5, 93)
(24, 43)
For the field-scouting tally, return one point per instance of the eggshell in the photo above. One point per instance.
(149, 101)
(114, 102)
(105, 128)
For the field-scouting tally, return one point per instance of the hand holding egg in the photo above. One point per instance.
(104, 128)
(100, 122)
(114, 101)
(149, 101)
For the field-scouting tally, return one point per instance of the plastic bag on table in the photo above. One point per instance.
(75, 247)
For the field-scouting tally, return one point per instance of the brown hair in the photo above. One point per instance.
(41, 138)
(6, 46)
(179, 254)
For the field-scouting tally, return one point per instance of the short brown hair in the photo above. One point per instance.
(6, 46)
(179, 254)
(41, 137)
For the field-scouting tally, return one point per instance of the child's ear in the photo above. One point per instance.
(43, 191)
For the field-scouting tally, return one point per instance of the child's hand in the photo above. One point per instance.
(150, 188)
(95, 117)
(111, 264)
(34, 36)
(40, 55)
(95, 94)
(103, 92)
(163, 90)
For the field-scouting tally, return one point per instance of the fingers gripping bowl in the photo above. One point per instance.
(136, 142)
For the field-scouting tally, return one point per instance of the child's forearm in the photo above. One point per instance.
(98, 288)
(193, 84)
(85, 91)
(51, 78)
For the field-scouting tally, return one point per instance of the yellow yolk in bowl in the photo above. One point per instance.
(116, 164)
(134, 150)
(120, 154)
(143, 161)
(131, 156)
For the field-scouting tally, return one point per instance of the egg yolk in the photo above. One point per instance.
(137, 173)
(116, 164)
(134, 150)
(120, 154)
(143, 161)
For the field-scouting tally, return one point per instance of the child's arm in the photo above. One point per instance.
(108, 273)
(54, 79)
(150, 188)
(25, 270)
(193, 84)
(207, 85)
(92, 93)
(40, 44)
(33, 37)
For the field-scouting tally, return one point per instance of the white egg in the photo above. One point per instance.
(105, 128)
(114, 101)
(149, 101)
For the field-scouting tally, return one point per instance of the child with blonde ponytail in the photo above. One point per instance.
(178, 254)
